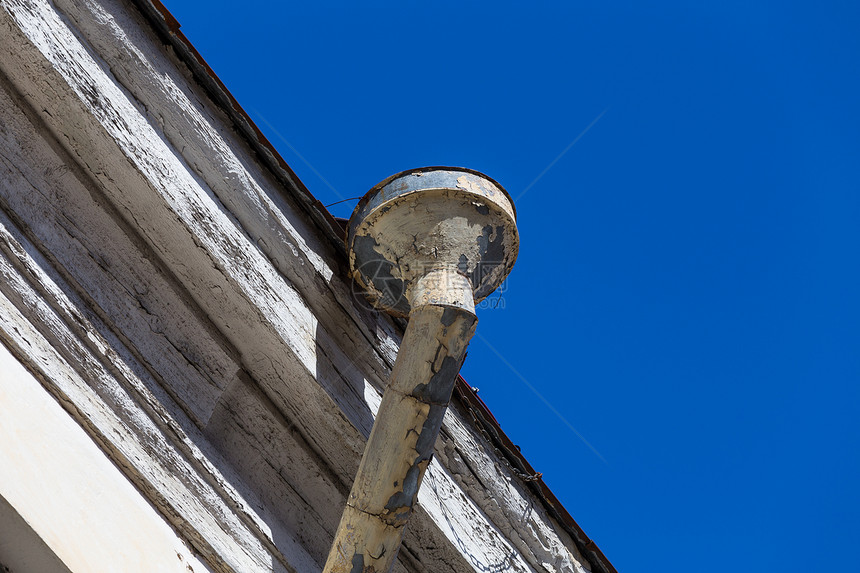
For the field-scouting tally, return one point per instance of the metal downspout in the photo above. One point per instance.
(426, 243)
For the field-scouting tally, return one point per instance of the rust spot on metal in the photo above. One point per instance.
(443, 218)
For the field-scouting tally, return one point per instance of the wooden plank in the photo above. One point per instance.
(98, 253)
(189, 230)
(107, 280)
(89, 375)
(213, 152)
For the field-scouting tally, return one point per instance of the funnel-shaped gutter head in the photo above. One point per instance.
(446, 219)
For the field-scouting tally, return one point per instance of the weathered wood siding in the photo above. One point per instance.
(175, 297)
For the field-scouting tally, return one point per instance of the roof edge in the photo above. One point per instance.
(168, 29)
(589, 549)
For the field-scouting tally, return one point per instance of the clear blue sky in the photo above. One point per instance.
(687, 294)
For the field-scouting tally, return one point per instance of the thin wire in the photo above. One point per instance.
(342, 201)
(296, 151)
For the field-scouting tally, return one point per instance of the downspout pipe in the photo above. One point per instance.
(428, 244)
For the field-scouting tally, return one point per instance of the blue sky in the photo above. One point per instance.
(687, 294)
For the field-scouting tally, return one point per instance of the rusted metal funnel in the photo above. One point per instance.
(427, 219)
(426, 243)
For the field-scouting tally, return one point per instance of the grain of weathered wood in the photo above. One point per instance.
(190, 231)
(228, 168)
(121, 277)
(90, 375)
(109, 276)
